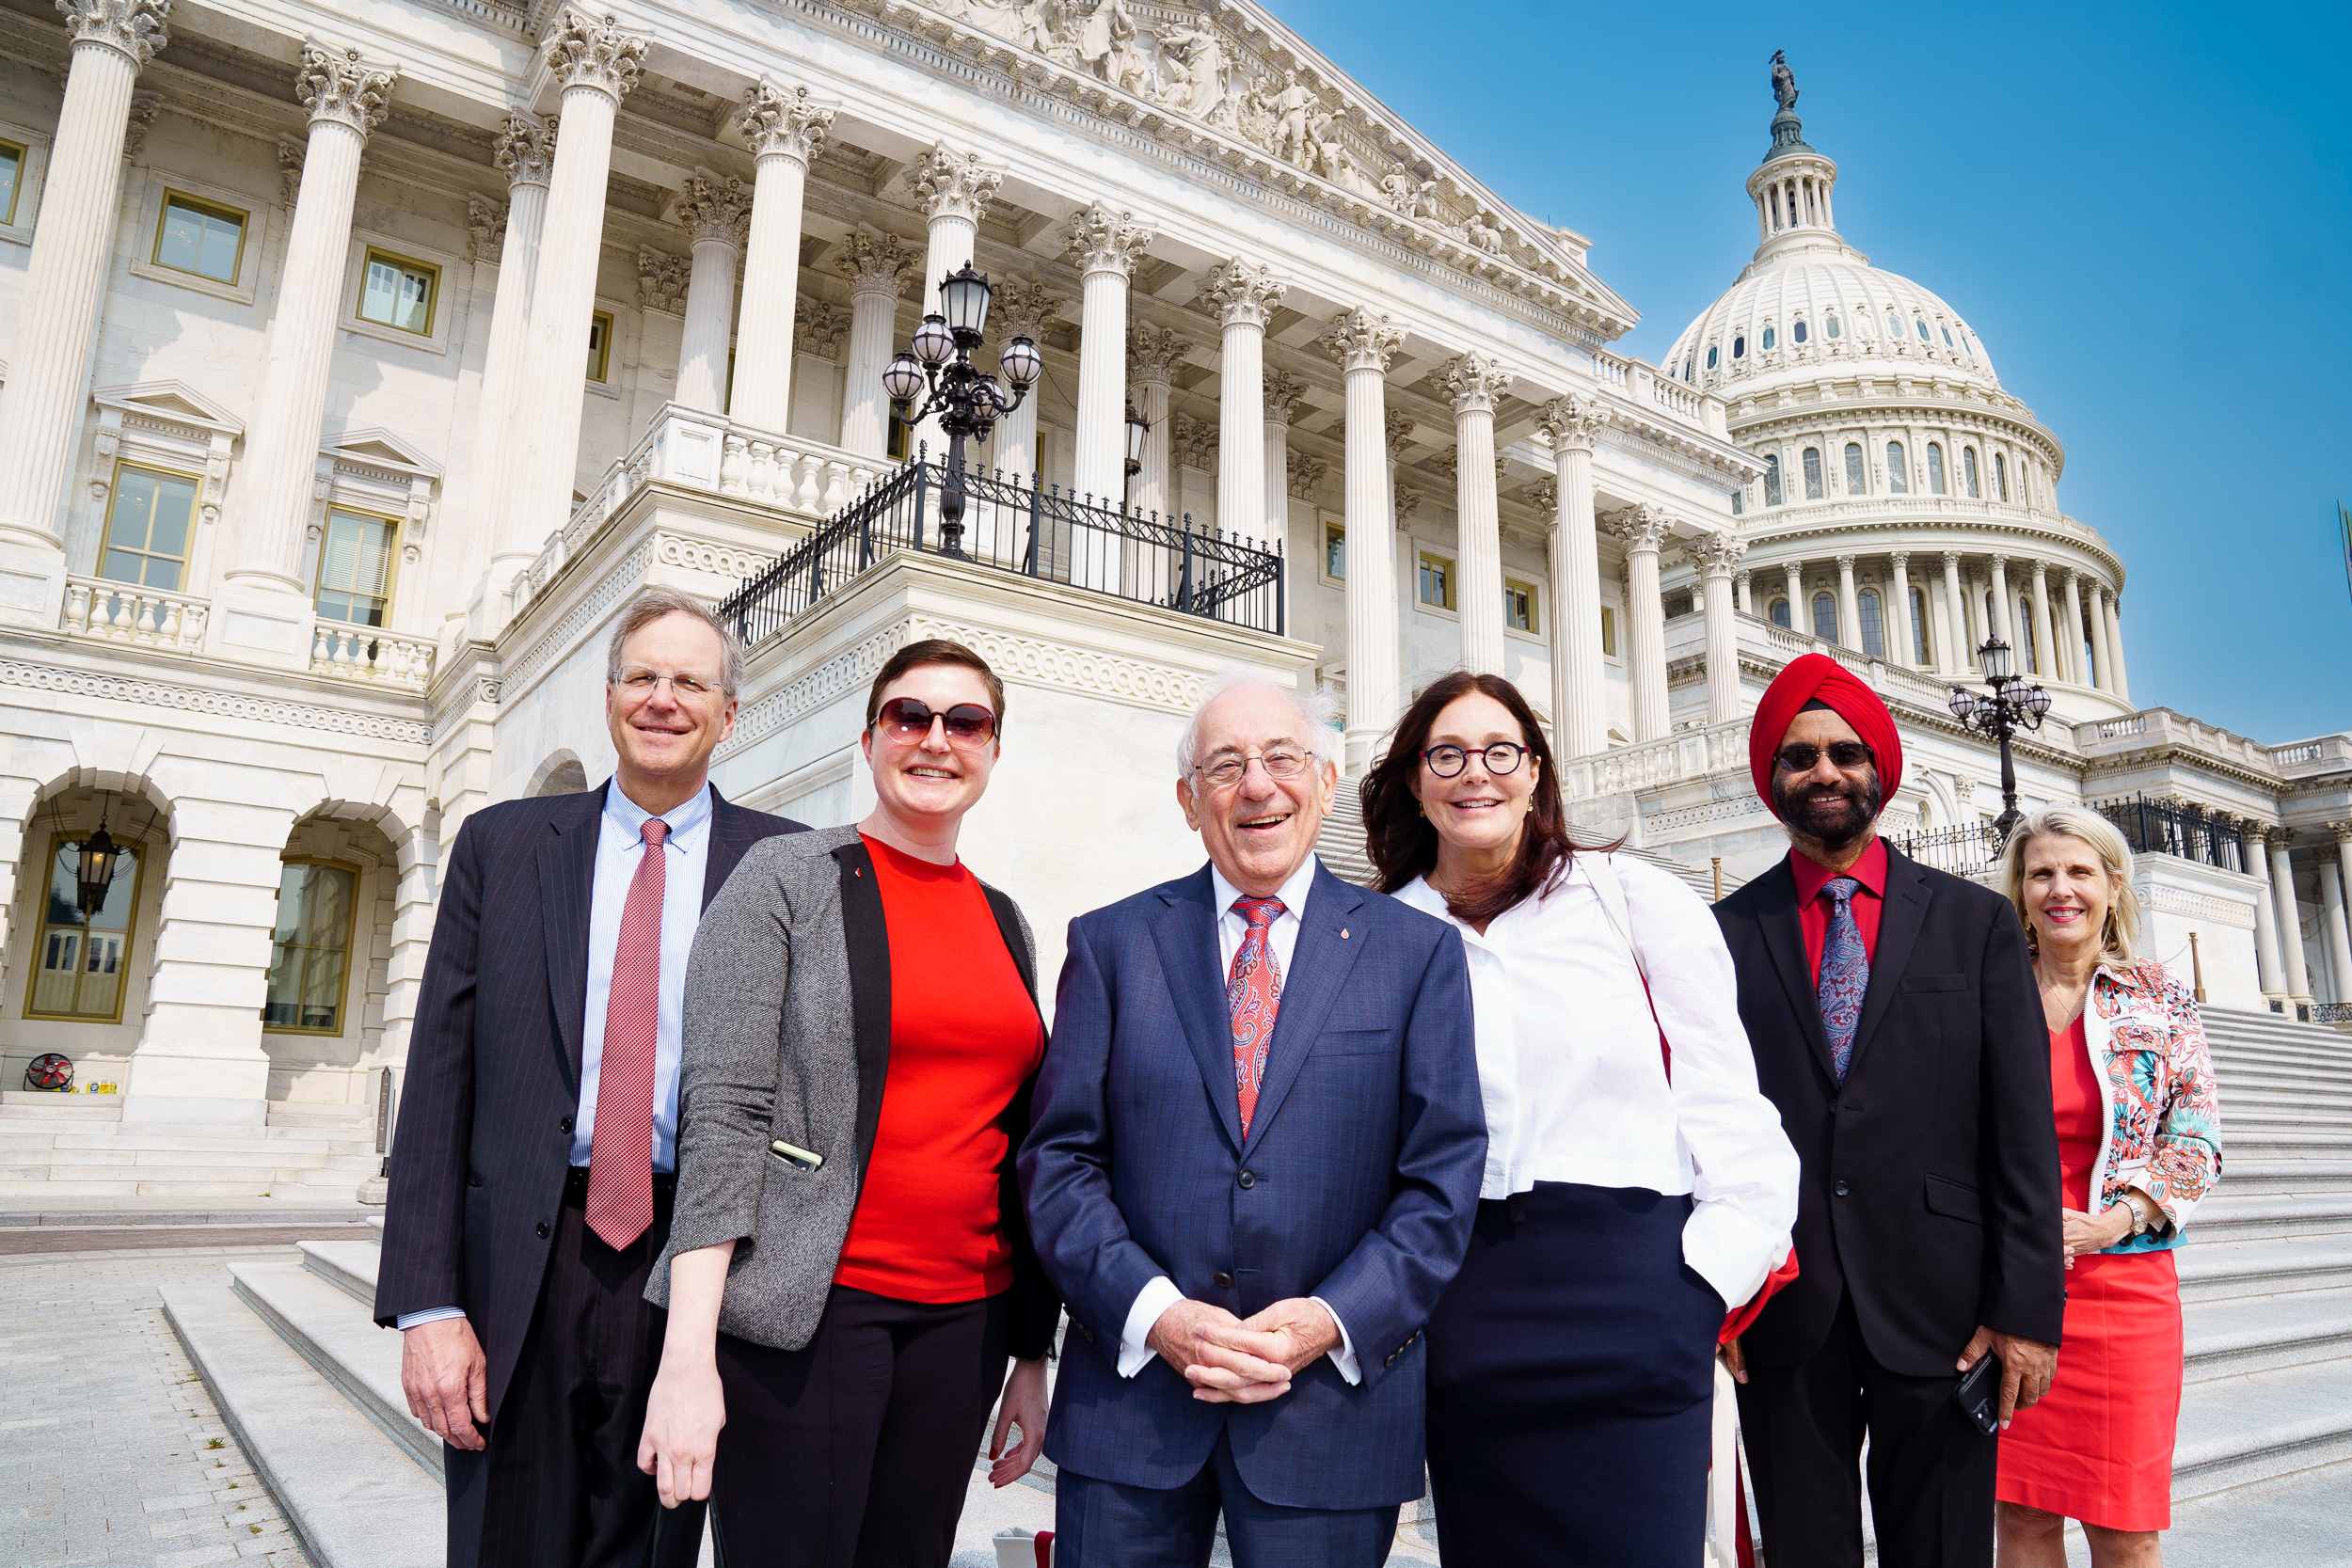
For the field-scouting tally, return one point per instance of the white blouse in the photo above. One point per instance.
(1574, 1085)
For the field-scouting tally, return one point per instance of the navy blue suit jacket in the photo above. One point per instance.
(1357, 1182)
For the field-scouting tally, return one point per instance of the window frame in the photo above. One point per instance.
(1939, 474)
(350, 939)
(371, 254)
(1816, 476)
(1533, 631)
(1971, 474)
(1897, 468)
(16, 188)
(1777, 613)
(210, 207)
(1424, 559)
(391, 581)
(1775, 480)
(601, 375)
(1869, 605)
(107, 524)
(1611, 646)
(1857, 464)
(1332, 528)
(1824, 597)
(42, 928)
(1921, 643)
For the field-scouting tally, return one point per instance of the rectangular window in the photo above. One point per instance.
(310, 948)
(148, 528)
(1609, 630)
(11, 179)
(1335, 551)
(83, 962)
(398, 293)
(202, 237)
(899, 408)
(1437, 581)
(355, 565)
(600, 349)
(1519, 605)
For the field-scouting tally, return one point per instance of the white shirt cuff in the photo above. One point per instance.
(430, 1315)
(1343, 1358)
(1134, 1351)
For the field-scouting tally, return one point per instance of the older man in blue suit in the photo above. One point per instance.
(1252, 1170)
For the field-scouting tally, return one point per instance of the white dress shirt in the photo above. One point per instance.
(620, 840)
(1134, 1351)
(1570, 1069)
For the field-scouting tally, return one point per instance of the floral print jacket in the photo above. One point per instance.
(2163, 1128)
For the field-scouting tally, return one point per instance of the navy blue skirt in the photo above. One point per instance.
(1571, 1381)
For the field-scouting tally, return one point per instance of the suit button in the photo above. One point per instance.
(565, 1124)
(1841, 1189)
(1248, 1179)
(541, 1230)
(1222, 1280)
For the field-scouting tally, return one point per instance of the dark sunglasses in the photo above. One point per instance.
(905, 719)
(1847, 756)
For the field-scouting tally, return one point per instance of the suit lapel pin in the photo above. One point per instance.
(1343, 933)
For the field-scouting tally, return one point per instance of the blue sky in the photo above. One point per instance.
(2146, 212)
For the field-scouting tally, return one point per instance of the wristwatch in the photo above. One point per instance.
(2145, 1217)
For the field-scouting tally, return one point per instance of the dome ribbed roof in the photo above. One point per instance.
(1824, 309)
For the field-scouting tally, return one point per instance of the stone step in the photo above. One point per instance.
(12, 1136)
(2236, 1217)
(2236, 1114)
(349, 1266)
(376, 1223)
(2280, 1140)
(2248, 1427)
(2253, 1334)
(17, 1192)
(2311, 1172)
(75, 1107)
(355, 1498)
(2228, 1271)
(2319, 1105)
(327, 1329)
(2237, 1082)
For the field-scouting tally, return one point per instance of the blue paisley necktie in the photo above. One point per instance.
(1845, 974)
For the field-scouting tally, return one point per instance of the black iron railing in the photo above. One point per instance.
(1966, 850)
(1036, 532)
(2162, 827)
(2331, 1012)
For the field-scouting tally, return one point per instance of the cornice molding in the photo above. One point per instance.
(213, 702)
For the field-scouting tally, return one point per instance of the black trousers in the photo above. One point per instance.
(558, 1485)
(1930, 1471)
(1571, 1381)
(1104, 1524)
(855, 1451)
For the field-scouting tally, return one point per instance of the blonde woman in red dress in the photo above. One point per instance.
(2139, 1144)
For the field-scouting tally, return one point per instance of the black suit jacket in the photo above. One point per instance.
(494, 1063)
(1931, 1186)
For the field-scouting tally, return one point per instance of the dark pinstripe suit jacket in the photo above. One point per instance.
(486, 1124)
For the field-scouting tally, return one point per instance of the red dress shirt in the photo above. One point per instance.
(1813, 909)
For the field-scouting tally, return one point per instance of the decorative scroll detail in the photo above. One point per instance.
(1573, 422)
(1642, 528)
(874, 262)
(1194, 441)
(524, 149)
(1397, 431)
(1718, 554)
(1022, 309)
(340, 87)
(954, 185)
(485, 228)
(133, 27)
(1476, 381)
(1242, 293)
(1285, 394)
(1362, 340)
(1407, 502)
(1104, 241)
(1152, 352)
(712, 209)
(818, 327)
(1307, 473)
(585, 52)
(289, 171)
(776, 119)
(1544, 494)
(661, 279)
(142, 119)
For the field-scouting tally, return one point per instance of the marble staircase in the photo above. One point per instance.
(57, 1149)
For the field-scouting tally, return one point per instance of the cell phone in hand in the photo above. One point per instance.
(1978, 1392)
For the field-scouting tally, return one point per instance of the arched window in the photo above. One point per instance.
(2025, 643)
(1857, 474)
(1740, 347)
(1797, 331)
(1935, 466)
(1918, 626)
(1829, 324)
(1898, 470)
(1921, 324)
(1769, 340)
(1780, 615)
(1968, 470)
(1825, 615)
(1893, 327)
(1713, 354)
(1771, 479)
(1948, 337)
(2000, 475)
(1812, 473)
(1873, 623)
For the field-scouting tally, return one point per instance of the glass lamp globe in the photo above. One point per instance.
(1999, 659)
(1138, 431)
(1022, 363)
(1963, 703)
(2038, 702)
(964, 297)
(902, 378)
(988, 396)
(934, 344)
(94, 870)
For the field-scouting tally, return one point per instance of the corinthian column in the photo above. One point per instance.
(1476, 381)
(712, 212)
(955, 189)
(596, 65)
(347, 98)
(2071, 604)
(1283, 394)
(1643, 529)
(2004, 609)
(2267, 968)
(876, 266)
(2290, 913)
(1020, 310)
(1849, 606)
(48, 390)
(1103, 245)
(2102, 636)
(1580, 721)
(1906, 641)
(1363, 344)
(1243, 293)
(2115, 643)
(2044, 636)
(784, 130)
(1718, 556)
(1957, 660)
(1151, 355)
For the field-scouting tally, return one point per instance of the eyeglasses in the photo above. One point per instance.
(1504, 756)
(1280, 763)
(685, 687)
(909, 720)
(1847, 756)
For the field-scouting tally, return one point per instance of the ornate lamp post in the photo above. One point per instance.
(1138, 431)
(94, 869)
(967, 400)
(2015, 707)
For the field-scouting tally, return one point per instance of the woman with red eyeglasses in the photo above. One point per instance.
(848, 1272)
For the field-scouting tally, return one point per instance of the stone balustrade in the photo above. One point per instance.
(1690, 753)
(1654, 392)
(1801, 517)
(367, 653)
(2328, 753)
(144, 617)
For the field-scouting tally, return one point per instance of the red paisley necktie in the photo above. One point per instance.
(620, 1152)
(1253, 994)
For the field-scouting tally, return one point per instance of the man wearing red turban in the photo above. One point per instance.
(1896, 1026)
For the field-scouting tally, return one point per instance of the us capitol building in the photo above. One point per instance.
(357, 360)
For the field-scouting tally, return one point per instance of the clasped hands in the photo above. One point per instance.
(1231, 1360)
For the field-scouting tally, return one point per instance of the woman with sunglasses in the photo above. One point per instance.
(1626, 1208)
(849, 1272)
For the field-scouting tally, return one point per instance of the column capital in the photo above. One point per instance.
(1544, 494)
(1284, 392)
(662, 281)
(1022, 307)
(1361, 340)
(2342, 831)
(141, 119)
(1476, 381)
(1243, 293)
(2255, 830)
(288, 154)
(590, 51)
(524, 149)
(1846, 561)
(1307, 472)
(1999, 562)
(781, 121)
(1397, 431)
(1718, 554)
(1100, 239)
(818, 327)
(1573, 422)
(875, 262)
(1194, 441)
(135, 28)
(2073, 577)
(1899, 559)
(1152, 352)
(710, 209)
(1951, 560)
(485, 228)
(337, 86)
(1643, 527)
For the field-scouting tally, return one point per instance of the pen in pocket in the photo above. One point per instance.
(794, 1154)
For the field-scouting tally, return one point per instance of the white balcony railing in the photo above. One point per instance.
(366, 654)
(125, 612)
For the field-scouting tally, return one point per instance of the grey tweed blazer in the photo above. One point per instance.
(788, 1035)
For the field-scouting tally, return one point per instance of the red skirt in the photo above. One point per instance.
(2099, 1446)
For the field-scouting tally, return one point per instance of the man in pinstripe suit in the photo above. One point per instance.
(531, 1182)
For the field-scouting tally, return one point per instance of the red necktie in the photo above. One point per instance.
(620, 1154)
(1253, 996)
